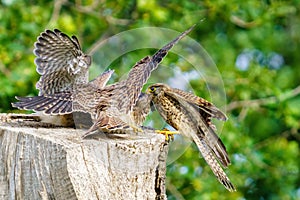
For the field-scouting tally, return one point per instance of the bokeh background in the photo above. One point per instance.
(255, 46)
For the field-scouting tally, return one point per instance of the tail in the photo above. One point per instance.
(217, 146)
(206, 130)
(60, 103)
(212, 162)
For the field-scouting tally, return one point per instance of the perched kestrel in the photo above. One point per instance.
(111, 107)
(191, 116)
(62, 66)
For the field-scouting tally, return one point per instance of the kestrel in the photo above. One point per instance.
(111, 107)
(191, 116)
(63, 66)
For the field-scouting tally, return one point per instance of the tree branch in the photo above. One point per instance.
(264, 101)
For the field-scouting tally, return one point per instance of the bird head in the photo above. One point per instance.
(157, 88)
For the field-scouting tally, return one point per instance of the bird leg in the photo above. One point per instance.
(168, 134)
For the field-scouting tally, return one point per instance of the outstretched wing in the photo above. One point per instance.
(60, 62)
(131, 87)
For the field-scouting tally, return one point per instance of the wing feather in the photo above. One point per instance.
(101, 80)
(204, 124)
(140, 73)
(60, 103)
(59, 56)
(201, 103)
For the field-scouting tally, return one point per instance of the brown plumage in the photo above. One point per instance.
(111, 107)
(60, 103)
(191, 115)
(62, 66)
(60, 62)
(141, 109)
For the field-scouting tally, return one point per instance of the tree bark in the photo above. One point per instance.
(55, 163)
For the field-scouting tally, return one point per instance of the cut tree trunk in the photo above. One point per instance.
(55, 163)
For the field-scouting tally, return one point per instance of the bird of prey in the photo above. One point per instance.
(62, 66)
(60, 62)
(111, 107)
(191, 116)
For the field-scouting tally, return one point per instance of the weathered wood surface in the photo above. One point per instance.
(55, 163)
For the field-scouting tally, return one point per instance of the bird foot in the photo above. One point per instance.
(168, 134)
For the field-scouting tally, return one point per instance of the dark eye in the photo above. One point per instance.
(152, 89)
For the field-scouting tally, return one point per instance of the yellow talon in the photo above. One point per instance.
(168, 134)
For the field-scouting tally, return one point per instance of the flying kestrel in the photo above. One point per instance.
(111, 107)
(191, 116)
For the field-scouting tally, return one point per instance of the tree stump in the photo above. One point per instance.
(55, 163)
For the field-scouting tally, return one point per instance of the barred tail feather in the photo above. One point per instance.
(212, 162)
(57, 107)
(50, 104)
(218, 147)
(213, 141)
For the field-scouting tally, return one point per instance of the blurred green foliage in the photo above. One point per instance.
(255, 45)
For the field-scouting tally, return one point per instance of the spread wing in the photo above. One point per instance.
(129, 90)
(60, 62)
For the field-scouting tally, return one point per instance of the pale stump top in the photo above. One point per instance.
(55, 163)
